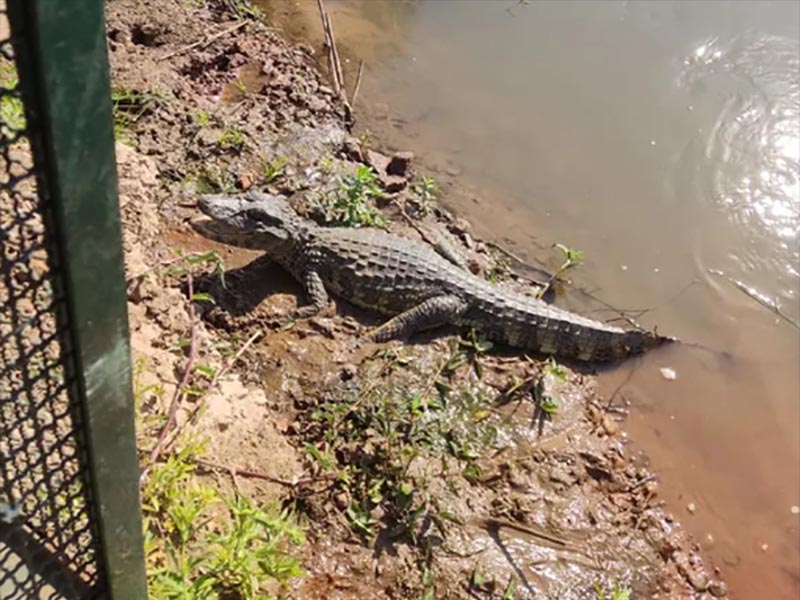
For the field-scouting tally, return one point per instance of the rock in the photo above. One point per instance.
(348, 371)
(718, 589)
(669, 374)
(610, 426)
(400, 164)
(392, 183)
(352, 149)
(378, 161)
(691, 508)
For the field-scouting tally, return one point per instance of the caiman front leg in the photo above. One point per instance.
(316, 292)
(431, 313)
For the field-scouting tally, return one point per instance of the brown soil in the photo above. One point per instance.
(552, 502)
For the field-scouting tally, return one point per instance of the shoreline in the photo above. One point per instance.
(244, 109)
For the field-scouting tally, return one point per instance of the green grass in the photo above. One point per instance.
(274, 169)
(129, 106)
(427, 193)
(352, 203)
(203, 545)
(231, 138)
(618, 593)
(367, 441)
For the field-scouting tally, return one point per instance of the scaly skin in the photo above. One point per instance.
(408, 281)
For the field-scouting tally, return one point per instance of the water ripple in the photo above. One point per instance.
(753, 149)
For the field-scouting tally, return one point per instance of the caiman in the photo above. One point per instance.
(407, 280)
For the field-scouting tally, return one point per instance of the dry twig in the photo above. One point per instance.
(202, 43)
(180, 390)
(214, 381)
(358, 83)
(252, 473)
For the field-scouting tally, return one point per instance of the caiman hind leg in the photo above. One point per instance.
(433, 312)
(316, 292)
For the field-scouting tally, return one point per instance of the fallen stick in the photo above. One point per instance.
(333, 56)
(214, 381)
(358, 83)
(256, 474)
(179, 391)
(202, 43)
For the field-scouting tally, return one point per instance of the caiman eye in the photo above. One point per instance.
(260, 216)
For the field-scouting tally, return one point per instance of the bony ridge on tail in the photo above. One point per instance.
(407, 281)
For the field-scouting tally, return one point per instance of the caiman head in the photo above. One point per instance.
(254, 220)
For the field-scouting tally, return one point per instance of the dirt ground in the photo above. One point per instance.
(425, 469)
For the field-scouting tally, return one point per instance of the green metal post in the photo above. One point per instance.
(63, 68)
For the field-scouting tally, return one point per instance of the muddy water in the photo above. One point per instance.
(663, 140)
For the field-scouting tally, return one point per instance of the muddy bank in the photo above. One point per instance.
(438, 468)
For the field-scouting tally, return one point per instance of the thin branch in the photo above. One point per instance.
(204, 42)
(254, 474)
(358, 83)
(754, 294)
(180, 390)
(333, 56)
(214, 381)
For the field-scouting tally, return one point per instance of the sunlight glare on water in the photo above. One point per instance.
(753, 150)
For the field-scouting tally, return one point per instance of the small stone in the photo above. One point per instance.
(691, 507)
(610, 426)
(795, 510)
(764, 547)
(460, 226)
(393, 183)
(718, 589)
(341, 500)
(400, 164)
(668, 373)
(377, 161)
(246, 181)
(348, 371)
(352, 149)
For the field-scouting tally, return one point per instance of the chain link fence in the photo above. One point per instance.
(48, 545)
(52, 542)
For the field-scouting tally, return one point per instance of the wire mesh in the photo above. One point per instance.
(48, 541)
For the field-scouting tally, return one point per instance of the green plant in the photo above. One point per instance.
(365, 139)
(243, 9)
(571, 258)
(201, 545)
(473, 348)
(128, 107)
(241, 86)
(351, 204)
(366, 441)
(618, 593)
(184, 263)
(212, 179)
(202, 118)
(555, 370)
(231, 138)
(273, 169)
(427, 192)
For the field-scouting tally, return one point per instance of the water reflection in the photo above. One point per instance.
(753, 150)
